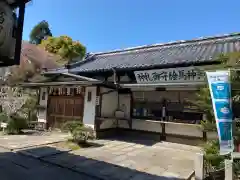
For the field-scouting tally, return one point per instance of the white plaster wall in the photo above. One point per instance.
(42, 101)
(171, 128)
(125, 79)
(146, 125)
(42, 113)
(90, 107)
(109, 103)
(125, 104)
(192, 130)
(156, 96)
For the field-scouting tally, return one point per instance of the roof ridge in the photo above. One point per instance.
(200, 39)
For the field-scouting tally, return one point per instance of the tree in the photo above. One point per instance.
(12, 99)
(39, 32)
(65, 47)
(33, 60)
(19, 74)
(29, 108)
(204, 101)
(214, 161)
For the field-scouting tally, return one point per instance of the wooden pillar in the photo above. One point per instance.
(19, 33)
(47, 126)
(98, 108)
(131, 109)
(204, 136)
(163, 134)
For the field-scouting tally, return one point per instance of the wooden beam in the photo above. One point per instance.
(109, 85)
(19, 33)
(72, 83)
(6, 61)
(17, 3)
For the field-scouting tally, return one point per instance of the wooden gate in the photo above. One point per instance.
(64, 108)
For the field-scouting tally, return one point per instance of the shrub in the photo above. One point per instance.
(4, 117)
(71, 125)
(208, 125)
(82, 134)
(16, 124)
(212, 155)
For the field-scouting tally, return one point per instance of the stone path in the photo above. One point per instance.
(13, 142)
(129, 161)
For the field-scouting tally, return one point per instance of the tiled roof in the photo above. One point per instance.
(160, 55)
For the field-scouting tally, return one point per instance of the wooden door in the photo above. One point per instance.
(64, 108)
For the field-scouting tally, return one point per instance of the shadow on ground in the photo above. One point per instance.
(136, 140)
(150, 140)
(91, 167)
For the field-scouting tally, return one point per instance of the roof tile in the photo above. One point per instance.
(176, 53)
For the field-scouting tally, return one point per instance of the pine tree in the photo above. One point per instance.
(39, 32)
(204, 101)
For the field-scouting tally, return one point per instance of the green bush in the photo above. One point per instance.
(82, 134)
(212, 155)
(29, 108)
(16, 124)
(4, 117)
(208, 126)
(70, 126)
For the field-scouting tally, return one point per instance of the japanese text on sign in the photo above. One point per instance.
(187, 74)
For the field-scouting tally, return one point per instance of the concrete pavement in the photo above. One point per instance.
(14, 166)
(110, 160)
(120, 160)
(13, 142)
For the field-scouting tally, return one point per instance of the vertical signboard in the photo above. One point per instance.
(220, 90)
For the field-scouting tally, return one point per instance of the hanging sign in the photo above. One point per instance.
(171, 75)
(220, 90)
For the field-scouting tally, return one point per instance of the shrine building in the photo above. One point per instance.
(143, 91)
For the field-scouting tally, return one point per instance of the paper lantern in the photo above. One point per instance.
(7, 22)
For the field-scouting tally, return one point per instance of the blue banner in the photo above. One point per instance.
(220, 90)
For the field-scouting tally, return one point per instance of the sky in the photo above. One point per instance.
(104, 25)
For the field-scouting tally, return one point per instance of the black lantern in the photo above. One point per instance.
(11, 28)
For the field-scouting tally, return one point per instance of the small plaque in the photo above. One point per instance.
(42, 120)
(97, 100)
(3, 125)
